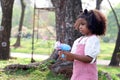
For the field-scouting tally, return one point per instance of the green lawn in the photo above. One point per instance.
(40, 46)
(32, 74)
(36, 74)
(47, 46)
(111, 70)
(106, 50)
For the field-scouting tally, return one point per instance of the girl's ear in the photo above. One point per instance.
(85, 11)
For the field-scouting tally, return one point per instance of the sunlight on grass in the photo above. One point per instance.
(112, 71)
(3, 63)
(40, 46)
(47, 46)
(106, 50)
(31, 74)
(36, 74)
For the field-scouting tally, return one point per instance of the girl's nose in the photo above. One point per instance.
(80, 27)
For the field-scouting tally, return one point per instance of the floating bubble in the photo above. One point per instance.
(68, 25)
(4, 44)
(20, 34)
(1, 28)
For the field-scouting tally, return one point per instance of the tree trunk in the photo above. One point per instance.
(66, 14)
(5, 31)
(115, 59)
(98, 3)
(17, 44)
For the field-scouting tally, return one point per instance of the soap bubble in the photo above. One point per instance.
(4, 44)
(20, 34)
(57, 45)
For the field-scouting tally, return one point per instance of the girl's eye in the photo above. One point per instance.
(82, 24)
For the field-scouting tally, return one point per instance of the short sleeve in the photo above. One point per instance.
(92, 47)
(73, 50)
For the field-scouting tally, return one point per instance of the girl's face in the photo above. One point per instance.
(83, 27)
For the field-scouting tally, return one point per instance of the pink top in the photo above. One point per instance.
(92, 46)
(81, 70)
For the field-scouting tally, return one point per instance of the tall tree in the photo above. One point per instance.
(5, 28)
(66, 14)
(115, 57)
(17, 44)
(98, 3)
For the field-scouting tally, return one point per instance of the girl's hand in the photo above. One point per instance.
(60, 55)
(68, 55)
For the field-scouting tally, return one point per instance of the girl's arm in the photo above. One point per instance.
(71, 57)
(82, 58)
(67, 57)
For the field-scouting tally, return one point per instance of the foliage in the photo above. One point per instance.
(106, 50)
(106, 39)
(31, 74)
(101, 76)
(16, 16)
(15, 60)
(113, 71)
(41, 46)
(45, 65)
(47, 47)
(25, 33)
(112, 25)
(37, 74)
(51, 16)
(27, 18)
(45, 17)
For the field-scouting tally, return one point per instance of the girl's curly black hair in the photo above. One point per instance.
(95, 19)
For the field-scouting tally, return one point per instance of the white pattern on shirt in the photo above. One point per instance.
(92, 46)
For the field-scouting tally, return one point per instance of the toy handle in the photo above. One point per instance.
(64, 47)
(63, 56)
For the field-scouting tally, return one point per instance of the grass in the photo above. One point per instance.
(110, 69)
(113, 71)
(47, 46)
(40, 46)
(37, 74)
(106, 51)
(31, 74)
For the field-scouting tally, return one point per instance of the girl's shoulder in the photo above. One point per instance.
(93, 38)
(83, 39)
(78, 39)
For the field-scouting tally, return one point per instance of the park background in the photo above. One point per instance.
(45, 38)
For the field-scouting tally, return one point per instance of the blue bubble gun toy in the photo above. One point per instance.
(63, 47)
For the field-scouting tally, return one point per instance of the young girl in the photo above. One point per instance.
(86, 48)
